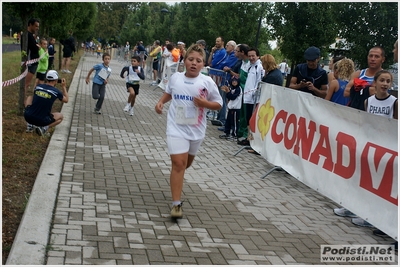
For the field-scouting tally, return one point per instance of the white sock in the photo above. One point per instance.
(176, 203)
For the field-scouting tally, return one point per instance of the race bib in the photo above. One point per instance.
(103, 73)
(186, 115)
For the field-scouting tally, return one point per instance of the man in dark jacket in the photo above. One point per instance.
(310, 77)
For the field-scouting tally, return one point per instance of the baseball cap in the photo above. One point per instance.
(180, 43)
(312, 53)
(52, 75)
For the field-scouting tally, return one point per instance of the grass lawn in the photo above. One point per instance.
(22, 153)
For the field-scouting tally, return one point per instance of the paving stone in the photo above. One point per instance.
(114, 199)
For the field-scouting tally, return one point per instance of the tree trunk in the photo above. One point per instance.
(24, 58)
(59, 55)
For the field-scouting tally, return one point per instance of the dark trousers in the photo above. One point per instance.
(99, 92)
(222, 112)
(232, 122)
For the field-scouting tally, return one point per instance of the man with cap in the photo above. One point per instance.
(309, 77)
(38, 108)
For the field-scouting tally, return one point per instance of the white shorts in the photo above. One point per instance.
(177, 145)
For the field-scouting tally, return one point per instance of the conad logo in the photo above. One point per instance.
(378, 165)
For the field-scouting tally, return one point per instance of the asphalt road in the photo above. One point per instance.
(10, 48)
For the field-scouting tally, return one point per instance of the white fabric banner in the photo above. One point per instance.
(345, 154)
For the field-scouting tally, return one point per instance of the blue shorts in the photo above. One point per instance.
(33, 67)
(38, 121)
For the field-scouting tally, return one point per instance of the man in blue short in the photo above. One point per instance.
(217, 55)
(38, 108)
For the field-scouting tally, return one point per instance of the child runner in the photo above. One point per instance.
(191, 93)
(135, 73)
(342, 71)
(98, 50)
(43, 62)
(382, 103)
(234, 95)
(100, 80)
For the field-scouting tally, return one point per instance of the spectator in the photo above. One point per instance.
(382, 103)
(141, 51)
(234, 96)
(310, 77)
(377, 231)
(167, 52)
(255, 73)
(331, 63)
(33, 53)
(186, 120)
(135, 73)
(218, 54)
(273, 73)
(43, 62)
(126, 50)
(175, 53)
(164, 48)
(241, 52)
(283, 67)
(100, 81)
(156, 54)
(342, 73)
(51, 52)
(394, 70)
(182, 50)
(38, 108)
(203, 45)
(359, 89)
(360, 86)
(19, 37)
(226, 64)
(68, 49)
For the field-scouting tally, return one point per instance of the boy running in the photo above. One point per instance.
(135, 73)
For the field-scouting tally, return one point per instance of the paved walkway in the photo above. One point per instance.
(114, 199)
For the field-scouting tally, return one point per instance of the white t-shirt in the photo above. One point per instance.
(282, 67)
(184, 119)
(381, 107)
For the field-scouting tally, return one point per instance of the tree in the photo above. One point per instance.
(298, 26)
(365, 25)
(240, 22)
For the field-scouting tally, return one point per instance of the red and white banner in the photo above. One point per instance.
(20, 77)
(345, 154)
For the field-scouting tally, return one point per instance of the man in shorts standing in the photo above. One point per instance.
(69, 48)
(38, 108)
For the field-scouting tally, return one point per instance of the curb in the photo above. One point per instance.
(30, 243)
